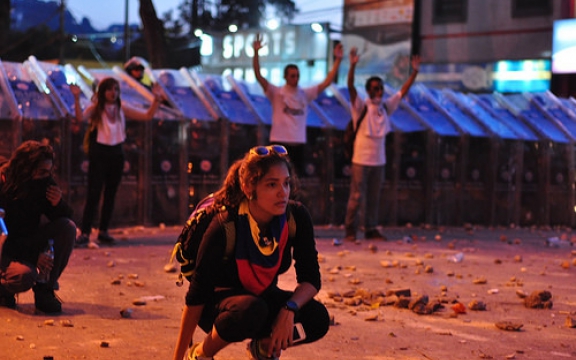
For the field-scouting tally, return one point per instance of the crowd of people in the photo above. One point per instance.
(231, 298)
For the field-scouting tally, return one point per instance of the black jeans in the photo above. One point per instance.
(238, 316)
(104, 172)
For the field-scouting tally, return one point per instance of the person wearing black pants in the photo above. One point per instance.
(103, 142)
(234, 294)
(35, 213)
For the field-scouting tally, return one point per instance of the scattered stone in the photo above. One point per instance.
(399, 292)
(402, 302)
(459, 308)
(49, 322)
(104, 344)
(132, 276)
(66, 323)
(569, 322)
(20, 338)
(493, 291)
(371, 318)
(111, 263)
(497, 261)
(126, 313)
(334, 270)
(373, 248)
(518, 258)
(139, 283)
(521, 294)
(385, 264)
(480, 281)
(116, 282)
(539, 299)
(565, 264)
(509, 325)
(476, 305)
(428, 269)
(138, 302)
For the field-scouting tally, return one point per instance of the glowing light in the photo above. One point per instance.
(272, 24)
(317, 28)
(232, 28)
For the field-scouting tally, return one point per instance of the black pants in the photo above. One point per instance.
(104, 172)
(240, 316)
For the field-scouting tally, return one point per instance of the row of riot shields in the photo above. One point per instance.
(452, 158)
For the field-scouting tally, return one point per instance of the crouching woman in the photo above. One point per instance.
(237, 298)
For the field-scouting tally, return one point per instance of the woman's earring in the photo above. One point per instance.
(250, 197)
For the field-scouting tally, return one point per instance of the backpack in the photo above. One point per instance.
(186, 248)
(350, 135)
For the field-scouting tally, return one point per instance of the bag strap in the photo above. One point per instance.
(362, 116)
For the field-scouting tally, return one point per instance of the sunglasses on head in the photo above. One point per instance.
(267, 150)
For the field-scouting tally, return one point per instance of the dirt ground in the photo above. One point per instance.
(496, 266)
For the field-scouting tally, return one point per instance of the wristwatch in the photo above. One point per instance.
(291, 306)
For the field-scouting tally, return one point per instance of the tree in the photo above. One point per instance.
(4, 22)
(153, 34)
(217, 16)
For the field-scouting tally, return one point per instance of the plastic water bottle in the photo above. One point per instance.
(44, 275)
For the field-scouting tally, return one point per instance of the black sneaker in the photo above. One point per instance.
(82, 240)
(7, 299)
(105, 238)
(374, 234)
(45, 299)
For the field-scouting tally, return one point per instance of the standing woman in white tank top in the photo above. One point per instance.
(105, 137)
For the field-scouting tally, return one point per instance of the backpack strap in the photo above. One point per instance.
(362, 116)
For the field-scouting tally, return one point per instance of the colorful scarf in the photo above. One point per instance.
(257, 257)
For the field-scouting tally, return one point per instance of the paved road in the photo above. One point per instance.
(370, 331)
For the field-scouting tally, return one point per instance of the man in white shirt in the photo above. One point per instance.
(369, 157)
(290, 103)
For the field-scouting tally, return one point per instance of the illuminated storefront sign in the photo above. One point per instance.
(299, 44)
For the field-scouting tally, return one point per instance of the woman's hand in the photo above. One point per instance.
(44, 263)
(53, 194)
(281, 336)
(75, 90)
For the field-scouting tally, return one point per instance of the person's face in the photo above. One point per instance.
(43, 170)
(272, 193)
(137, 73)
(112, 93)
(292, 77)
(375, 89)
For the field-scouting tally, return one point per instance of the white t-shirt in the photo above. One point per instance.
(370, 143)
(289, 112)
(110, 133)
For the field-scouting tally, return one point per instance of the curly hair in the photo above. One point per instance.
(20, 168)
(249, 170)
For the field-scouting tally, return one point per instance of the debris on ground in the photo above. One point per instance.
(539, 299)
(509, 325)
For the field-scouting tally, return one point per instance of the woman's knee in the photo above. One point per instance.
(315, 319)
(18, 278)
(242, 320)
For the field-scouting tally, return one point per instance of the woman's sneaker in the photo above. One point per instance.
(254, 352)
(193, 356)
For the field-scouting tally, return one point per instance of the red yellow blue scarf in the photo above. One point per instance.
(258, 258)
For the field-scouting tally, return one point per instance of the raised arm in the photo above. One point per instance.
(354, 57)
(415, 61)
(338, 54)
(75, 90)
(136, 114)
(257, 45)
